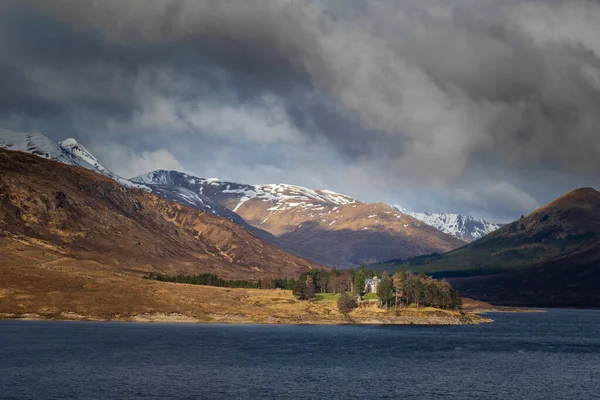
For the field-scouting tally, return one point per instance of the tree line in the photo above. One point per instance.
(214, 280)
(401, 289)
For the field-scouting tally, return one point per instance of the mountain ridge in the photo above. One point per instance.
(68, 151)
(464, 227)
(336, 229)
(62, 211)
(291, 217)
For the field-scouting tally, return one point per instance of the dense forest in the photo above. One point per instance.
(401, 289)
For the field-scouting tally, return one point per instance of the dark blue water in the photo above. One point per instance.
(555, 355)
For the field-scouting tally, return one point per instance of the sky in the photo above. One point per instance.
(484, 107)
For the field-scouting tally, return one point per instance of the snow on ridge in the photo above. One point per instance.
(278, 192)
(282, 191)
(275, 192)
(34, 143)
(159, 177)
(72, 146)
(463, 227)
(68, 152)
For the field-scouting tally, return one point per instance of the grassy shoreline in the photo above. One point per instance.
(459, 319)
(206, 304)
(82, 290)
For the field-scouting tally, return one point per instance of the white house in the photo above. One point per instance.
(371, 285)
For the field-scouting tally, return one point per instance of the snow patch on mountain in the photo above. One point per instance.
(460, 226)
(283, 196)
(73, 147)
(281, 191)
(39, 145)
(68, 152)
(78, 150)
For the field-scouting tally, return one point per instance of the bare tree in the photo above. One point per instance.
(346, 303)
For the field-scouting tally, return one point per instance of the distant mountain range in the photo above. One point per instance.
(327, 227)
(463, 227)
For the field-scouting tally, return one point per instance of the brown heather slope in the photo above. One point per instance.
(330, 228)
(358, 234)
(55, 211)
(345, 235)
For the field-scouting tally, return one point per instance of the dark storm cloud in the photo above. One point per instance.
(469, 101)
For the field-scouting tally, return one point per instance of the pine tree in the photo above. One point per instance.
(359, 281)
(309, 288)
(456, 300)
(385, 290)
(300, 288)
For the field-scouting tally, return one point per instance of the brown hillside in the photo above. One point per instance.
(574, 214)
(58, 211)
(576, 211)
(344, 235)
(358, 234)
(331, 228)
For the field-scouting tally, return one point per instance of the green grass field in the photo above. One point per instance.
(335, 297)
(328, 296)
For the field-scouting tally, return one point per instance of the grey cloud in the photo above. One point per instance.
(455, 99)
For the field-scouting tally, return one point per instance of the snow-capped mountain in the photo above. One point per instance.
(228, 197)
(68, 152)
(77, 150)
(284, 196)
(185, 189)
(460, 226)
(331, 228)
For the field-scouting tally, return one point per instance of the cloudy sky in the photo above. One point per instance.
(484, 107)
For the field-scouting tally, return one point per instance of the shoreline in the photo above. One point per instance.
(507, 310)
(232, 319)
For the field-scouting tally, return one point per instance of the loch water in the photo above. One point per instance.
(551, 355)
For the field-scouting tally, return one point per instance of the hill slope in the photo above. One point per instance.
(550, 257)
(58, 211)
(548, 232)
(70, 152)
(331, 228)
(570, 280)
